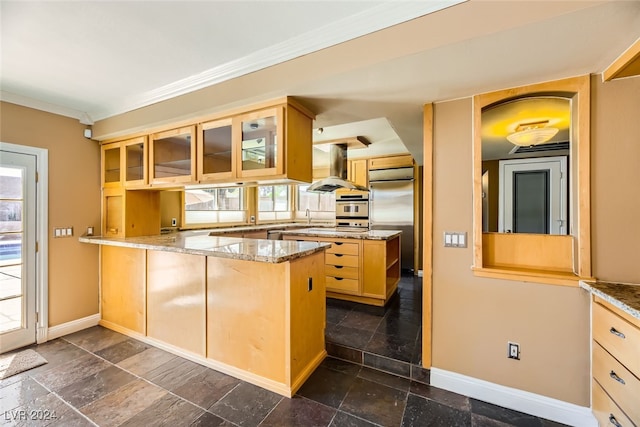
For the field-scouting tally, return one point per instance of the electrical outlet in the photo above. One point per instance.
(174, 222)
(89, 231)
(513, 350)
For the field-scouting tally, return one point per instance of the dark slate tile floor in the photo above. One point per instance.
(100, 377)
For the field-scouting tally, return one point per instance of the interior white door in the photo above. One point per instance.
(17, 250)
(533, 192)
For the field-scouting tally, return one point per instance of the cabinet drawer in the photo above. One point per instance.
(343, 248)
(342, 285)
(343, 260)
(605, 410)
(342, 272)
(618, 337)
(619, 383)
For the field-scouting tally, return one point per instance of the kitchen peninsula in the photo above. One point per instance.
(251, 308)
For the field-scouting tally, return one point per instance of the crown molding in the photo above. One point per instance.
(385, 15)
(374, 19)
(25, 101)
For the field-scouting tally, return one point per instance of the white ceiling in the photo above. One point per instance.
(346, 60)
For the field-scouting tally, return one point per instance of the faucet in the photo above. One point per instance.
(308, 215)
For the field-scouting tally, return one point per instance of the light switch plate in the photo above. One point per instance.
(455, 239)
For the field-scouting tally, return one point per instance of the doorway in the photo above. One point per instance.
(20, 267)
(533, 196)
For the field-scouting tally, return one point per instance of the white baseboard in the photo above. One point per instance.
(512, 398)
(73, 326)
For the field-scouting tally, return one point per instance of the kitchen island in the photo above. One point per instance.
(251, 308)
(360, 265)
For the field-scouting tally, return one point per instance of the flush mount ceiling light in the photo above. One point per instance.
(533, 133)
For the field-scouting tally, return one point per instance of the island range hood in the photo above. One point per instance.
(337, 172)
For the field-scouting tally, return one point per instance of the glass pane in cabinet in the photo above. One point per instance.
(217, 150)
(135, 162)
(259, 143)
(112, 165)
(172, 156)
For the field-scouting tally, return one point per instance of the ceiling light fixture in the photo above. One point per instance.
(533, 133)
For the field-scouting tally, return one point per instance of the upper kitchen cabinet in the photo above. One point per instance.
(124, 163)
(358, 172)
(274, 144)
(111, 165)
(135, 159)
(215, 150)
(172, 156)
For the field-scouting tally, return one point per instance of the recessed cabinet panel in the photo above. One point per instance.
(135, 157)
(215, 153)
(111, 166)
(173, 156)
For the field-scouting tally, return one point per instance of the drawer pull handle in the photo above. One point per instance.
(615, 376)
(613, 421)
(338, 266)
(338, 278)
(616, 332)
(337, 243)
(338, 255)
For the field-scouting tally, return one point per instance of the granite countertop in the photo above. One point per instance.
(343, 234)
(267, 227)
(625, 296)
(200, 243)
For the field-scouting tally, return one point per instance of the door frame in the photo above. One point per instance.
(42, 237)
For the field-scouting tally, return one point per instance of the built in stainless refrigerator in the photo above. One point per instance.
(391, 207)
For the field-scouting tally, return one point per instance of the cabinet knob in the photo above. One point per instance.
(615, 376)
(616, 332)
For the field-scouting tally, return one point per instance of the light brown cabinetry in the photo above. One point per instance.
(130, 213)
(216, 156)
(358, 172)
(176, 301)
(360, 270)
(172, 156)
(122, 288)
(124, 163)
(258, 321)
(271, 328)
(616, 365)
(390, 162)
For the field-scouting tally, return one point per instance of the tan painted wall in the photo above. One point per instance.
(74, 200)
(473, 318)
(615, 179)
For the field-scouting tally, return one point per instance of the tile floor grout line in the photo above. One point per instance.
(154, 384)
(73, 408)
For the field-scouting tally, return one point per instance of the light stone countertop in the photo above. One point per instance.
(342, 234)
(625, 296)
(200, 243)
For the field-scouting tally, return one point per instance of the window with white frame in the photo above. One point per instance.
(214, 205)
(319, 205)
(274, 202)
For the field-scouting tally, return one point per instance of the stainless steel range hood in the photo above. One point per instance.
(337, 171)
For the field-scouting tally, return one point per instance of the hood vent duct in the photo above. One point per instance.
(337, 172)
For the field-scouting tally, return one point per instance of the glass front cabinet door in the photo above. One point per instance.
(261, 143)
(215, 150)
(172, 155)
(135, 162)
(111, 165)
